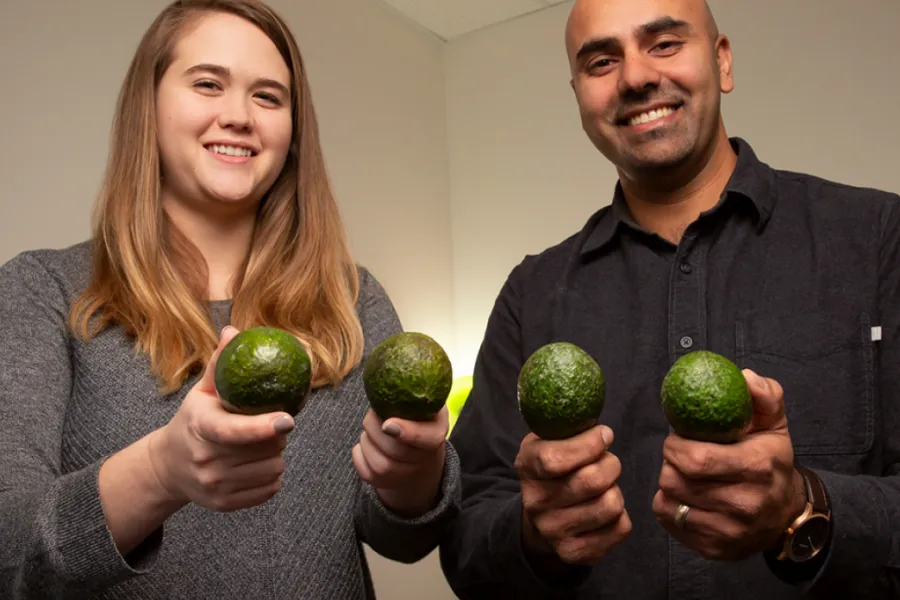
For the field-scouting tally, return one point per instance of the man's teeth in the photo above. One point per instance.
(651, 116)
(230, 150)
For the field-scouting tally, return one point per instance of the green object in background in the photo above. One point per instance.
(459, 392)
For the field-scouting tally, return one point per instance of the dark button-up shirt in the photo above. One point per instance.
(790, 275)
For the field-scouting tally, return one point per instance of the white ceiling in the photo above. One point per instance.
(451, 18)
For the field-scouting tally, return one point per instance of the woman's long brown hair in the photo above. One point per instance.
(149, 279)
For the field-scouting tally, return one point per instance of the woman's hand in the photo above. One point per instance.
(217, 459)
(403, 460)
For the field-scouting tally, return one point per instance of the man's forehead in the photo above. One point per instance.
(620, 18)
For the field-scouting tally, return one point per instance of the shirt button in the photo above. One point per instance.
(686, 268)
(686, 342)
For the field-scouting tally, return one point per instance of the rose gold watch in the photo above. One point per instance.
(809, 533)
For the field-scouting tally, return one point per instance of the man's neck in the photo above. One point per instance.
(668, 211)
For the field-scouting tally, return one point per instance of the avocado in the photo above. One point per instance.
(705, 398)
(561, 391)
(408, 376)
(263, 369)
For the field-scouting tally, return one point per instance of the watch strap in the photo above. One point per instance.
(815, 491)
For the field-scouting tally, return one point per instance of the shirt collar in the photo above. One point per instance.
(751, 179)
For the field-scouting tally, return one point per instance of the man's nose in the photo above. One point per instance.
(637, 75)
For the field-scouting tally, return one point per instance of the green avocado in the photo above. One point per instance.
(561, 391)
(408, 376)
(263, 369)
(705, 397)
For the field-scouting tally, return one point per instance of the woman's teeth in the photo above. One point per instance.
(230, 150)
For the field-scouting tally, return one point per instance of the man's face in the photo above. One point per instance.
(647, 76)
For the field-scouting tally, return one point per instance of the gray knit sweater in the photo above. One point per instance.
(66, 405)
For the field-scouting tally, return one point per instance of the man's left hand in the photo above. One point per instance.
(403, 460)
(742, 496)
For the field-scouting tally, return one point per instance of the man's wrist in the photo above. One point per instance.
(815, 502)
(795, 507)
(544, 560)
(799, 498)
(532, 541)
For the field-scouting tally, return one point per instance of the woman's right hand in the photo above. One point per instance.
(220, 460)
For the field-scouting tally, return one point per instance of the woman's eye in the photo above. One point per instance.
(269, 98)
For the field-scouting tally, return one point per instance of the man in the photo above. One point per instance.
(794, 278)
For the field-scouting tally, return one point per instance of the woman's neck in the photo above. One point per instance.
(223, 242)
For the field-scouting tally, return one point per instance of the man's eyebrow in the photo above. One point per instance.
(663, 24)
(598, 46)
(604, 45)
(225, 72)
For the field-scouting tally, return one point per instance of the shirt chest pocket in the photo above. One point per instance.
(825, 363)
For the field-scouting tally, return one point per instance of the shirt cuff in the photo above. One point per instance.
(409, 540)
(87, 552)
(514, 565)
(860, 541)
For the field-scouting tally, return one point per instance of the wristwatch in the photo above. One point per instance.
(809, 533)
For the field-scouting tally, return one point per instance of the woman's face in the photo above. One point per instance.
(224, 117)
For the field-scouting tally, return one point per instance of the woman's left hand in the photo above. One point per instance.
(403, 460)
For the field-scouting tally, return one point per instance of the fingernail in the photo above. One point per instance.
(391, 429)
(607, 435)
(284, 424)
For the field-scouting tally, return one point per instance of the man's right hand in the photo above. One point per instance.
(573, 507)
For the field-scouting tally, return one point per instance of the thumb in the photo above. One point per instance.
(232, 429)
(768, 402)
(207, 381)
(428, 434)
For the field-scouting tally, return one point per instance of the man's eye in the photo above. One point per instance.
(668, 45)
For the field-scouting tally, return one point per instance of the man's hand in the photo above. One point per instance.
(742, 496)
(573, 507)
(403, 460)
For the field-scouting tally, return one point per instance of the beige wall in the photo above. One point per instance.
(450, 162)
(816, 90)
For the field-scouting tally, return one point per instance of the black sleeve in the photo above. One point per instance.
(482, 555)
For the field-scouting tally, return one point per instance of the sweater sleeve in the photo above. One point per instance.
(55, 539)
(396, 538)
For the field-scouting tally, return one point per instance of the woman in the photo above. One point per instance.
(121, 475)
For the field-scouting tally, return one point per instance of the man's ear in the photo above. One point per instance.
(725, 62)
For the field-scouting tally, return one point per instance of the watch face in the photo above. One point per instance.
(810, 537)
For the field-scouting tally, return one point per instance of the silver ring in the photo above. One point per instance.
(681, 514)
